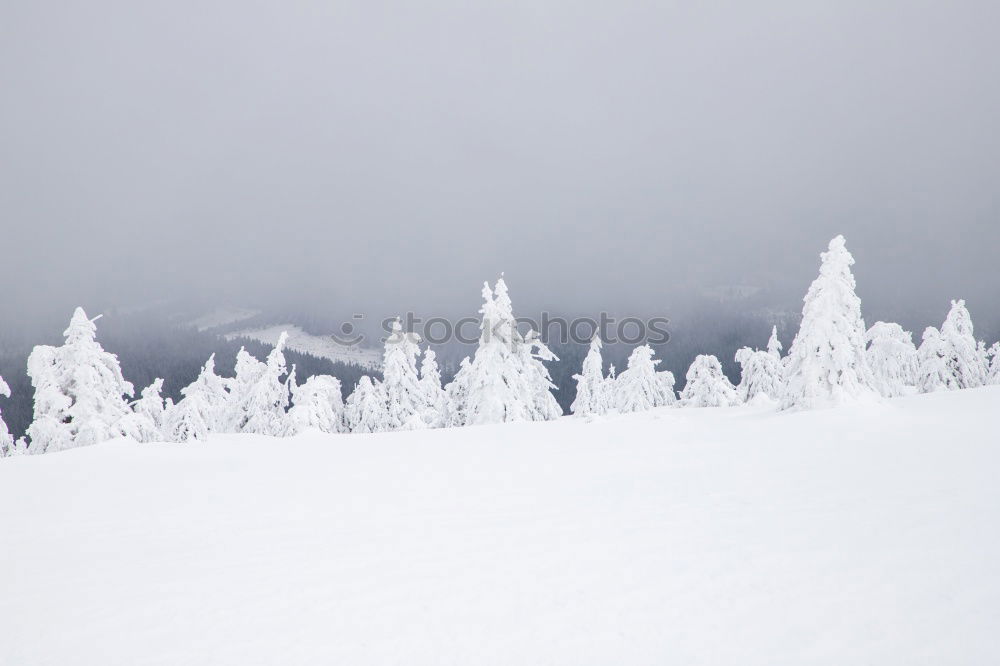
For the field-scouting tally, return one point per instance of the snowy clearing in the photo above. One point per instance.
(324, 347)
(864, 534)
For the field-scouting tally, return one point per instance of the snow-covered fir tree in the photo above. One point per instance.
(146, 422)
(435, 399)
(965, 362)
(591, 396)
(404, 394)
(317, 403)
(506, 380)
(457, 392)
(202, 409)
(79, 390)
(826, 363)
(367, 408)
(542, 406)
(933, 371)
(760, 374)
(892, 358)
(639, 388)
(247, 373)
(707, 386)
(774, 344)
(264, 403)
(667, 382)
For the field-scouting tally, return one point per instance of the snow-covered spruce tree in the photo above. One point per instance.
(317, 403)
(202, 410)
(79, 390)
(892, 358)
(826, 363)
(367, 408)
(774, 344)
(591, 396)
(457, 392)
(435, 399)
(264, 405)
(404, 394)
(667, 382)
(543, 406)
(933, 371)
(506, 380)
(639, 388)
(707, 386)
(964, 360)
(146, 421)
(760, 375)
(247, 373)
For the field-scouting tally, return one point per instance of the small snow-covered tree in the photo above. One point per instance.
(892, 358)
(202, 410)
(317, 403)
(367, 408)
(707, 386)
(963, 357)
(993, 354)
(146, 421)
(542, 405)
(247, 373)
(760, 374)
(435, 399)
(79, 390)
(404, 394)
(774, 344)
(667, 382)
(591, 396)
(826, 363)
(457, 392)
(264, 403)
(933, 371)
(639, 388)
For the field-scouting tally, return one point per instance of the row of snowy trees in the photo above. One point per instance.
(833, 359)
(82, 398)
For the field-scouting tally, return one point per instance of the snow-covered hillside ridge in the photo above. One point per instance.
(858, 534)
(321, 346)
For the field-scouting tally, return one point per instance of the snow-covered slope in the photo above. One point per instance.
(678, 536)
(324, 347)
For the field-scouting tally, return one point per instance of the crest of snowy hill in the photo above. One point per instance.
(307, 343)
(222, 317)
(857, 534)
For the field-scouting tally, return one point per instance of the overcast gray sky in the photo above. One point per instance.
(393, 155)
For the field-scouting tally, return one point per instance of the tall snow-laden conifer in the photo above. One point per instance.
(707, 386)
(591, 397)
(79, 390)
(506, 380)
(404, 395)
(933, 372)
(826, 363)
(964, 361)
(264, 404)
(435, 399)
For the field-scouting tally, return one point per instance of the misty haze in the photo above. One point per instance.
(783, 218)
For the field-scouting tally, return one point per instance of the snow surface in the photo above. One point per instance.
(863, 534)
(324, 347)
